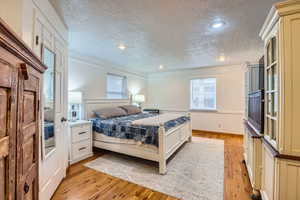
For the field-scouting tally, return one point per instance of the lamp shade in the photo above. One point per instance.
(139, 98)
(75, 97)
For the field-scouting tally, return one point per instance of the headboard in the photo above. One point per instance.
(91, 105)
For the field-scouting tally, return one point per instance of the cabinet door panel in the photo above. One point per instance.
(290, 110)
(8, 92)
(6, 75)
(268, 171)
(28, 139)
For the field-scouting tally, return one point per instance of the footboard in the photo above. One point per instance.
(170, 141)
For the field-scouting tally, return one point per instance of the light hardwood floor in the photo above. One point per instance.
(83, 183)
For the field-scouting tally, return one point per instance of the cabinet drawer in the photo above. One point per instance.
(81, 149)
(80, 133)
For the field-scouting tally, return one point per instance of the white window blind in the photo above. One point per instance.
(116, 87)
(203, 94)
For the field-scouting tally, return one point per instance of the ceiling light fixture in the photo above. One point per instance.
(218, 24)
(122, 47)
(161, 66)
(222, 58)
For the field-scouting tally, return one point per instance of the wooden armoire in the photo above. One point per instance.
(20, 87)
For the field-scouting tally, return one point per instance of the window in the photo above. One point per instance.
(116, 87)
(203, 94)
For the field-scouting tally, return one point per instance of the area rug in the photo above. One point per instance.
(195, 172)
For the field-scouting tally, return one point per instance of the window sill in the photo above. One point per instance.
(204, 110)
(116, 99)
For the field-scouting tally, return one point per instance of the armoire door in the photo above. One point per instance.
(28, 133)
(8, 110)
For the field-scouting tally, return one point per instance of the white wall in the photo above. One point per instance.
(20, 15)
(89, 77)
(170, 91)
(8, 13)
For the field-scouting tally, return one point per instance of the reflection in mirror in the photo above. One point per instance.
(49, 102)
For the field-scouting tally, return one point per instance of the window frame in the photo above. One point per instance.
(191, 95)
(124, 92)
(271, 130)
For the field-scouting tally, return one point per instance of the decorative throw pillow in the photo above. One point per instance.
(131, 109)
(106, 113)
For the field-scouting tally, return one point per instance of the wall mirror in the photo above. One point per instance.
(48, 144)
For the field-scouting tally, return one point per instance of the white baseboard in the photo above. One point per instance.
(80, 158)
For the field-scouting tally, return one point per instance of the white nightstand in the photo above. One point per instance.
(80, 140)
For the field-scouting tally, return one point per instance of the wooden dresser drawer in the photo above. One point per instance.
(80, 133)
(81, 149)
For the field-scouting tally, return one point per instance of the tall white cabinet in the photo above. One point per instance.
(279, 167)
(253, 133)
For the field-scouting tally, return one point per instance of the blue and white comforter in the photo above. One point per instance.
(122, 127)
(48, 130)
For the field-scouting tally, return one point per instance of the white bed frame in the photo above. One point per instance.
(169, 141)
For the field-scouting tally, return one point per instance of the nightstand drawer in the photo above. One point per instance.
(80, 133)
(81, 149)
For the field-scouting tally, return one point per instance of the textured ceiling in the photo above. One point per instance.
(173, 33)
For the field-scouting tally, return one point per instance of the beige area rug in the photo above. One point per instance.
(196, 172)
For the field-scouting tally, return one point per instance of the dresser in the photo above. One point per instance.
(80, 137)
(20, 96)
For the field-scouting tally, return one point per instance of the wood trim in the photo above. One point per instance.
(276, 154)
(198, 132)
(269, 23)
(20, 76)
(12, 43)
(4, 147)
(252, 132)
(288, 7)
(24, 71)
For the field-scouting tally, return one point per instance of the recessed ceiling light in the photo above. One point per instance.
(122, 47)
(218, 24)
(222, 58)
(161, 66)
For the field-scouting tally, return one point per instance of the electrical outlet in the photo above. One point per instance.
(220, 125)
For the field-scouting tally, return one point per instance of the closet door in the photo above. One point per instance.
(8, 91)
(28, 134)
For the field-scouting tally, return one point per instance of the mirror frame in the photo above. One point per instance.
(44, 155)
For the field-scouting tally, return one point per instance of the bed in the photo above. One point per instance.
(144, 135)
(49, 139)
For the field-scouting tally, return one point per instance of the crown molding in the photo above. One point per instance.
(288, 7)
(269, 23)
(224, 112)
(39, 5)
(279, 10)
(100, 64)
(105, 101)
(60, 15)
(199, 68)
